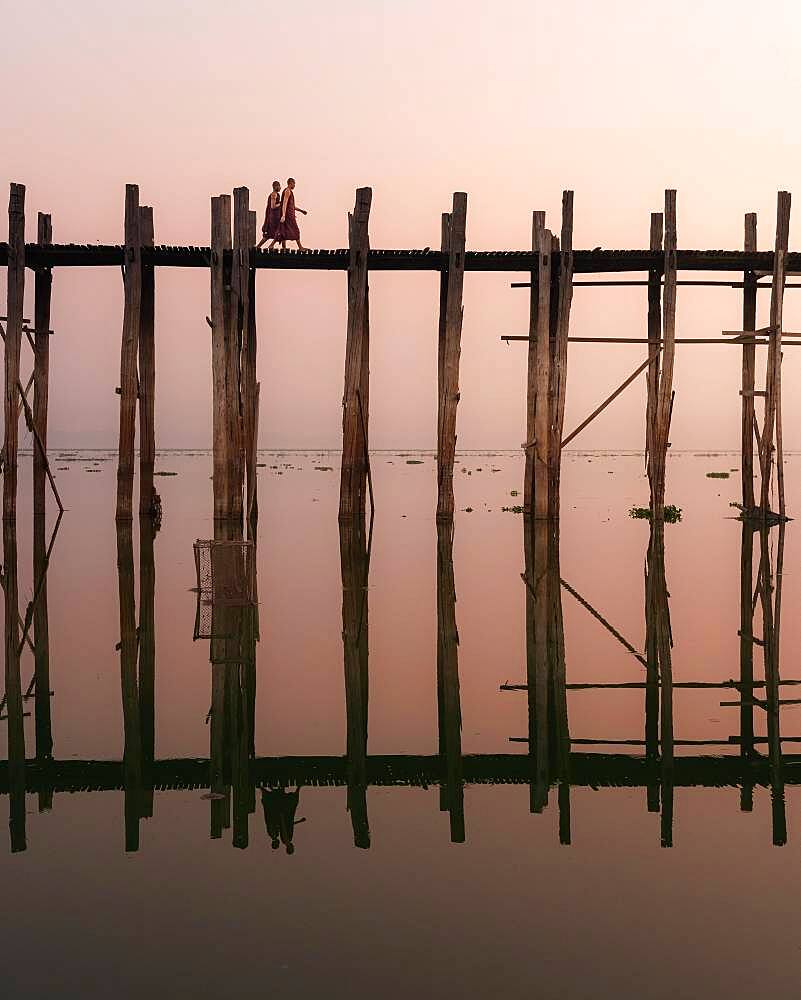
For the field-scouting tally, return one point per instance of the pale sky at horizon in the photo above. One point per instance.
(511, 102)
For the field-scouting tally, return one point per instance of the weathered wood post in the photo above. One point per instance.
(664, 402)
(772, 429)
(13, 345)
(147, 371)
(238, 348)
(220, 293)
(448, 699)
(355, 400)
(43, 283)
(558, 369)
(450, 349)
(654, 350)
(249, 385)
(749, 368)
(542, 397)
(537, 230)
(129, 380)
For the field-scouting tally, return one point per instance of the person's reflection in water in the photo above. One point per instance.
(279, 808)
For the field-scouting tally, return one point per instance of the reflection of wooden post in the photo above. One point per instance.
(749, 366)
(220, 803)
(16, 732)
(450, 353)
(132, 752)
(535, 543)
(450, 712)
(129, 381)
(220, 294)
(355, 561)
(13, 345)
(556, 657)
(43, 283)
(147, 659)
(746, 689)
(41, 645)
(147, 372)
(355, 399)
(654, 354)
(770, 596)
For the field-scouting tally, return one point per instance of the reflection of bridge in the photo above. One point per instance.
(552, 759)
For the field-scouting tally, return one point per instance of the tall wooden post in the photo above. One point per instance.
(542, 401)
(537, 230)
(13, 345)
(448, 699)
(249, 387)
(238, 347)
(664, 402)
(773, 385)
(147, 372)
(749, 366)
(129, 380)
(355, 400)
(450, 352)
(220, 293)
(558, 371)
(654, 353)
(43, 283)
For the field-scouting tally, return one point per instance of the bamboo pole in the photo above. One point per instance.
(749, 365)
(147, 373)
(664, 401)
(355, 400)
(542, 407)
(43, 282)
(771, 430)
(537, 237)
(13, 345)
(654, 344)
(558, 371)
(448, 389)
(129, 380)
(220, 293)
(448, 698)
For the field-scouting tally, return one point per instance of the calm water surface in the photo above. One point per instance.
(427, 852)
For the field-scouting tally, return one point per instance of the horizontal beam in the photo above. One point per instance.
(584, 261)
(585, 769)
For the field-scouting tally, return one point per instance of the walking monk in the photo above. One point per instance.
(289, 224)
(271, 230)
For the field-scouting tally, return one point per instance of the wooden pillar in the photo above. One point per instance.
(558, 676)
(41, 646)
(147, 659)
(772, 430)
(147, 372)
(129, 380)
(664, 402)
(448, 700)
(658, 645)
(355, 400)
(238, 347)
(249, 384)
(542, 396)
(450, 352)
(770, 587)
(654, 353)
(355, 564)
(13, 688)
(129, 685)
(749, 367)
(43, 283)
(558, 370)
(537, 666)
(537, 230)
(220, 293)
(746, 689)
(13, 345)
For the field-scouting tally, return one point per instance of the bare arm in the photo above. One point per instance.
(284, 202)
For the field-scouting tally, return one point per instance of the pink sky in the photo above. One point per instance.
(511, 102)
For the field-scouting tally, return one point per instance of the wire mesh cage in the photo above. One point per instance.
(224, 579)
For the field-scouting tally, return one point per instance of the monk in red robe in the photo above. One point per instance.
(289, 224)
(271, 230)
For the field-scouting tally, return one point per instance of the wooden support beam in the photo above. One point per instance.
(609, 399)
(249, 384)
(664, 401)
(43, 283)
(558, 371)
(772, 425)
(147, 373)
(13, 346)
(654, 342)
(129, 380)
(239, 349)
(451, 349)
(537, 240)
(355, 400)
(220, 294)
(542, 401)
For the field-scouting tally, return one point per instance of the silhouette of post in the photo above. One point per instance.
(448, 701)
(535, 545)
(132, 750)
(560, 747)
(14, 716)
(41, 645)
(746, 689)
(147, 658)
(355, 562)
